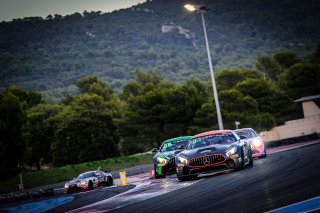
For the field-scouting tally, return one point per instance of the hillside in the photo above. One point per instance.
(50, 54)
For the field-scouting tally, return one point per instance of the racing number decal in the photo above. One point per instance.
(167, 145)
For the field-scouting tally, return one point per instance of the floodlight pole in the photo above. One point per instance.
(216, 99)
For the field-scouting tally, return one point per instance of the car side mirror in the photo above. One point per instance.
(181, 147)
(154, 150)
(242, 137)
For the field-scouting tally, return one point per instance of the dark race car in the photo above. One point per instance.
(257, 144)
(164, 159)
(88, 180)
(213, 151)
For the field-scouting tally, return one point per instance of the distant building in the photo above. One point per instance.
(294, 128)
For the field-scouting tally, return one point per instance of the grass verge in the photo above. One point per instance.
(60, 174)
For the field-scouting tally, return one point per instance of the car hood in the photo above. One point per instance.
(76, 181)
(214, 149)
(168, 155)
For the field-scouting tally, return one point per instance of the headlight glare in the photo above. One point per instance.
(183, 160)
(83, 182)
(256, 143)
(161, 160)
(231, 151)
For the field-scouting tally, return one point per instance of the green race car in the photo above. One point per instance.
(164, 159)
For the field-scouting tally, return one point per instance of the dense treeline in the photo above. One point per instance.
(95, 123)
(50, 54)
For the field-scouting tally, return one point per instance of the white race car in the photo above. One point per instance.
(88, 180)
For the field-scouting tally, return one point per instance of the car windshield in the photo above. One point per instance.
(173, 145)
(223, 139)
(85, 175)
(247, 132)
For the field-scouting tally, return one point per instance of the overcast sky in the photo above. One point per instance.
(10, 9)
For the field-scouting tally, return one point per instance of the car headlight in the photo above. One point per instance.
(231, 151)
(183, 160)
(83, 182)
(256, 143)
(66, 185)
(161, 160)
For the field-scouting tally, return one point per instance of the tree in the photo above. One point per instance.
(91, 85)
(86, 131)
(13, 147)
(28, 98)
(41, 128)
(269, 97)
(205, 118)
(131, 89)
(286, 59)
(142, 77)
(159, 113)
(301, 80)
(227, 79)
(268, 66)
(315, 57)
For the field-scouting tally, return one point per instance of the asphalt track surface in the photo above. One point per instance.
(279, 180)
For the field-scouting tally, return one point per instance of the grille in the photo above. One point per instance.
(172, 162)
(207, 160)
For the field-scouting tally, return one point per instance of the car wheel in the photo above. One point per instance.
(109, 181)
(243, 163)
(264, 155)
(90, 185)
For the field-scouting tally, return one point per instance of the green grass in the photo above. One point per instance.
(56, 175)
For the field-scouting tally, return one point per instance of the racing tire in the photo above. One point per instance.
(264, 155)
(243, 164)
(109, 181)
(90, 185)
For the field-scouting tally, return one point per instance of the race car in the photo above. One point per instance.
(213, 151)
(257, 144)
(88, 180)
(164, 159)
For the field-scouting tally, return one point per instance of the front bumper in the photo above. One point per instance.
(258, 151)
(165, 168)
(76, 188)
(186, 170)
